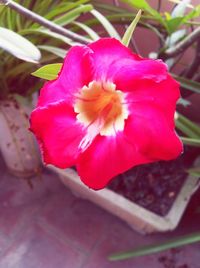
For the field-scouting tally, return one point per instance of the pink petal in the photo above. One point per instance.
(106, 52)
(164, 95)
(75, 73)
(128, 74)
(107, 157)
(58, 133)
(153, 133)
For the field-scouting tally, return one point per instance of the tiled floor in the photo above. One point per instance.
(48, 227)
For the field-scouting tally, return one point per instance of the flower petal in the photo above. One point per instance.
(58, 133)
(153, 133)
(106, 52)
(127, 73)
(75, 73)
(164, 95)
(107, 157)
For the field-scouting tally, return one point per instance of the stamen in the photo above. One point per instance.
(101, 102)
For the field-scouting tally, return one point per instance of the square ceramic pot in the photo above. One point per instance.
(139, 218)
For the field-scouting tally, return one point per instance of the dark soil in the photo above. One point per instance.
(155, 186)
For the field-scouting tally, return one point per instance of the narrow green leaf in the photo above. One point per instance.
(49, 33)
(146, 250)
(173, 24)
(18, 46)
(194, 171)
(93, 35)
(63, 8)
(55, 50)
(106, 24)
(193, 127)
(195, 13)
(48, 72)
(191, 141)
(72, 15)
(129, 32)
(142, 4)
(188, 84)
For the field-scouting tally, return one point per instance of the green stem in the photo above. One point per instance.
(142, 251)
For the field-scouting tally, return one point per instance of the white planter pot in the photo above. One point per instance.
(17, 143)
(139, 218)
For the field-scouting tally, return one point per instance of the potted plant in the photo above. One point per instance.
(172, 42)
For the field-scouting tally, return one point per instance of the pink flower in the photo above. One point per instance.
(107, 111)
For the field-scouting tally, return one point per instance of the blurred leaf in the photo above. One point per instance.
(151, 249)
(110, 7)
(48, 72)
(180, 9)
(188, 84)
(20, 69)
(18, 46)
(106, 24)
(142, 4)
(194, 171)
(21, 100)
(60, 9)
(170, 62)
(175, 37)
(188, 127)
(184, 102)
(173, 24)
(55, 50)
(42, 31)
(129, 32)
(93, 35)
(191, 142)
(179, 1)
(72, 15)
(195, 13)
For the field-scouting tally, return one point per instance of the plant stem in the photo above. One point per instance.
(183, 45)
(182, 241)
(44, 22)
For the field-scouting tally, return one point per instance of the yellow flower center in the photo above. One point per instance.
(102, 104)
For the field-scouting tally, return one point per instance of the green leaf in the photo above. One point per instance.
(191, 142)
(142, 4)
(188, 84)
(93, 35)
(129, 32)
(195, 13)
(18, 46)
(173, 24)
(188, 127)
(54, 50)
(43, 31)
(63, 8)
(72, 15)
(146, 250)
(106, 24)
(194, 171)
(48, 72)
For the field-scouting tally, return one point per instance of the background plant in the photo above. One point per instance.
(53, 42)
